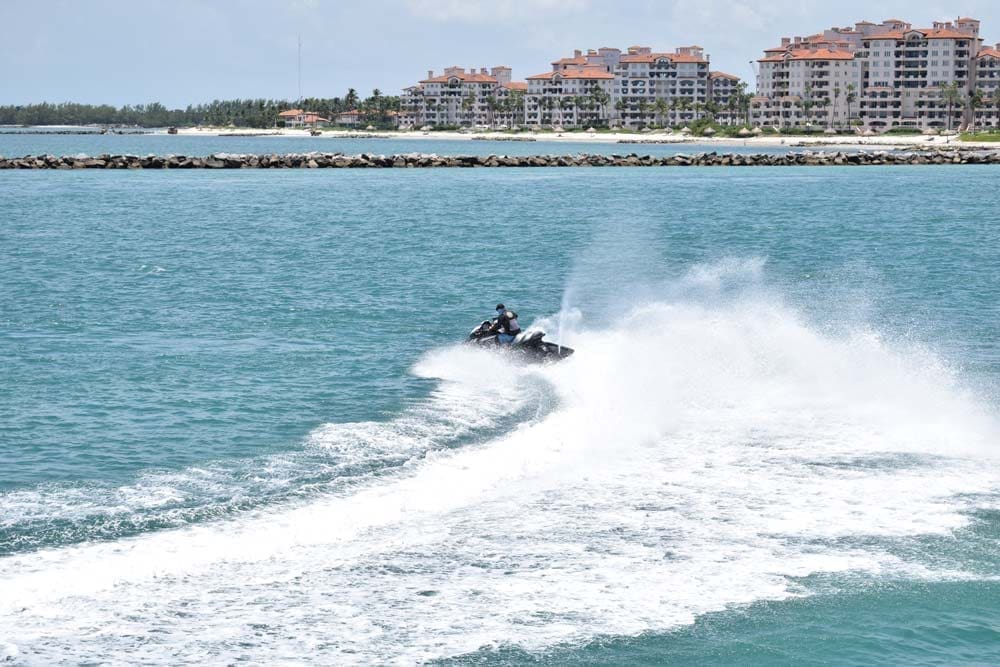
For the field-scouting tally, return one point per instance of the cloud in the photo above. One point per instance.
(487, 11)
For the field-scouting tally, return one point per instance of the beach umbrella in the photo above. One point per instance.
(869, 132)
(757, 131)
(685, 130)
(744, 132)
(591, 130)
(557, 128)
(829, 130)
(929, 131)
(707, 132)
(425, 128)
(370, 127)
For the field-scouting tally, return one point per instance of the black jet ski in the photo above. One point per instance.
(528, 343)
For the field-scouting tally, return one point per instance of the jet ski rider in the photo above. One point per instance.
(505, 325)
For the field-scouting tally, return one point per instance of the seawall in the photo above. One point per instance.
(411, 160)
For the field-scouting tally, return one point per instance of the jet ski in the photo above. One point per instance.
(528, 343)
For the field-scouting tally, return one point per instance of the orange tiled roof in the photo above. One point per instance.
(644, 57)
(651, 57)
(577, 73)
(575, 60)
(929, 33)
(516, 85)
(290, 113)
(822, 54)
(802, 52)
(988, 51)
(463, 77)
(892, 34)
(687, 58)
(946, 33)
(723, 75)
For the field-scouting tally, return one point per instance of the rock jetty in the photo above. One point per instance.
(413, 160)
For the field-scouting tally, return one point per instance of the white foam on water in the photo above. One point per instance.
(476, 391)
(699, 458)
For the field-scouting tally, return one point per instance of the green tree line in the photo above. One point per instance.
(238, 113)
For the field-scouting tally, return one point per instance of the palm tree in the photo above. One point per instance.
(684, 104)
(995, 99)
(567, 103)
(601, 99)
(581, 102)
(620, 107)
(351, 99)
(662, 107)
(732, 103)
(851, 96)
(467, 103)
(645, 107)
(492, 105)
(807, 103)
(516, 102)
(711, 108)
(952, 97)
(743, 100)
(836, 94)
(826, 105)
(547, 103)
(973, 102)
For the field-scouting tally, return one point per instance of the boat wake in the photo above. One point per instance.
(691, 457)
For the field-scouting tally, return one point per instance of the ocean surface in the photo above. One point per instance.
(237, 424)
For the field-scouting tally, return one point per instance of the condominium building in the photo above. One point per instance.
(460, 97)
(879, 76)
(572, 96)
(723, 94)
(662, 88)
(605, 86)
(988, 84)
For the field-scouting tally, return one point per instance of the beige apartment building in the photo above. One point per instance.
(878, 76)
(481, 98)
(634, 88)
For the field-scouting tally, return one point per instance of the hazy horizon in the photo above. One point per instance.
(193, 51)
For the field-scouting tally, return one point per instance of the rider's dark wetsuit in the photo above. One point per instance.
(506, 326)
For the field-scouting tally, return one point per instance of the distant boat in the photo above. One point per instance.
(171, 130)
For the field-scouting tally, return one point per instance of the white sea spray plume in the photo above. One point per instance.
(702, 455)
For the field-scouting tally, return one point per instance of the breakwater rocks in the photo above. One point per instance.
(412, 160)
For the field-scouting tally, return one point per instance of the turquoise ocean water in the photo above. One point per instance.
(236, 424)
(16, 143)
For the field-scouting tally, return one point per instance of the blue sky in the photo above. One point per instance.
(188, 51)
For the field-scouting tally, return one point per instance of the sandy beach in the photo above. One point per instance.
(626, 138)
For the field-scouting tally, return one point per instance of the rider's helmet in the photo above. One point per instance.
(501, 307)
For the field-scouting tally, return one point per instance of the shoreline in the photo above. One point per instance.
(626, 138)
